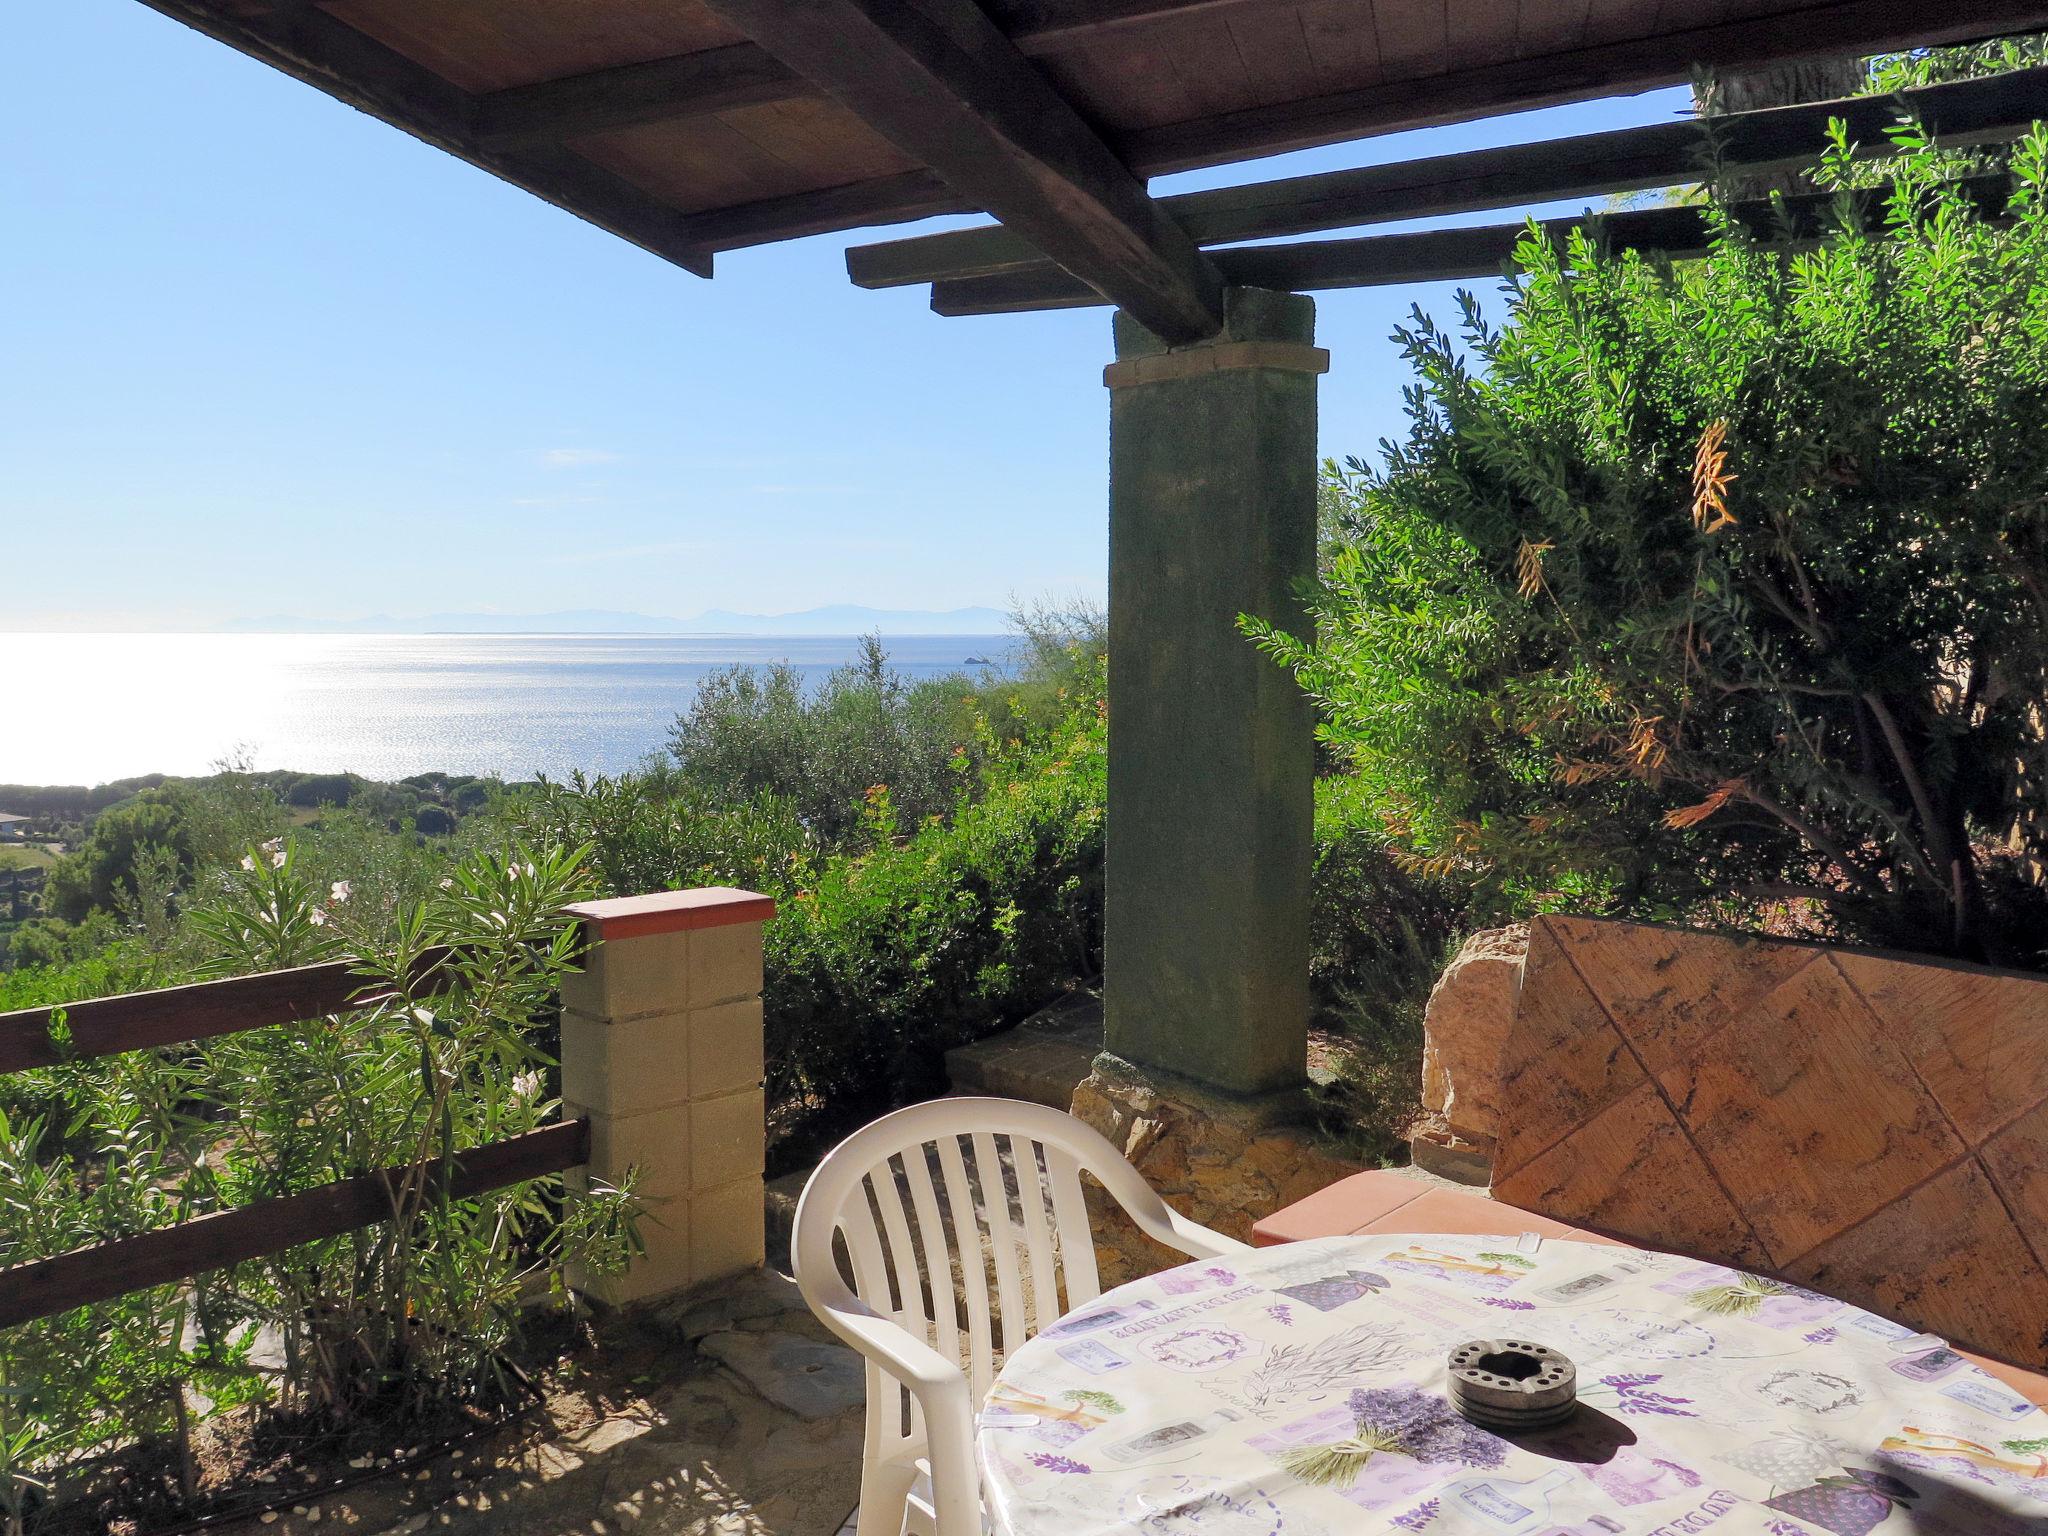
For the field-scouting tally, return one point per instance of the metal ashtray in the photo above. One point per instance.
(1511, 1385)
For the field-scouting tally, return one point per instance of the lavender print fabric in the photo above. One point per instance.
(1299, 1391)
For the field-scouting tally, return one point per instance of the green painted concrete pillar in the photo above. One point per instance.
(1212, 514)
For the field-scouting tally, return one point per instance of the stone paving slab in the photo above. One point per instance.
(651, 1436)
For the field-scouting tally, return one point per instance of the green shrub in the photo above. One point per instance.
(1719, 587)
(941, 932)
(390, 1321)
(317, 789)
(754, 732)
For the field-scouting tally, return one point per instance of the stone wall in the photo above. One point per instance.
(1222, 1162)
(1871, 1125)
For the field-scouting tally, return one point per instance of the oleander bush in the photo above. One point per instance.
(392, 1323)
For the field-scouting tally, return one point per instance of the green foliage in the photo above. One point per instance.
(755, 734)
(90, 879)
(314, 789)
(939, 932)
(390, 1321)
(1718, 587)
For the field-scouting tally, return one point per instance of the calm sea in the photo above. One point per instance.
(82, 709)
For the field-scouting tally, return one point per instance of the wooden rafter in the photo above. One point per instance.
(1587, 165)
(1852, 26)
(946, 87)
(310, 45)
(745, 74)
(1436, 255)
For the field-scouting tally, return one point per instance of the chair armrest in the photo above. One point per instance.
(894, 1348)
(942, 1394)
(1194, 1239)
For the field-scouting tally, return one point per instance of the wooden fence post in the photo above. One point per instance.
(662, 1053)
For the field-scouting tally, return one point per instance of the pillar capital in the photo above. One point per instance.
(1249, 314)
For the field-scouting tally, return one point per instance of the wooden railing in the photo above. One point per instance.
(108, 1026)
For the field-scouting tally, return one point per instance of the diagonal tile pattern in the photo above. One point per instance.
(1871, 1125)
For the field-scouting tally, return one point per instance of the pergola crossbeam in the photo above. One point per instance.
(947, 88)
(1440, 255)
(1588, 165)
(745, 74)
(659, 90)
(310, 45)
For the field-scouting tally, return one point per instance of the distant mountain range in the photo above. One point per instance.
(838, 619)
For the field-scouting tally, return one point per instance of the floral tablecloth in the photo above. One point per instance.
(1301, 1390)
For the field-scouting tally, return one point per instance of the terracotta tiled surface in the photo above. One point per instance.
(1670, 991)
(1974, 1037)
(1947, 1257)
(2017, 1161)
(1564, 1061)
(1873, 1125)
(1631, 1169)
(1808, 1116)
(1383, 1200)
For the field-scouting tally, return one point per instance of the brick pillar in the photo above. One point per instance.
(662, 1051)
(1212, 513)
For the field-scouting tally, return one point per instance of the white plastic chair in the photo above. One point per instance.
(918, 1470)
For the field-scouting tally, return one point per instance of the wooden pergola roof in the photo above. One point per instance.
(695, 126)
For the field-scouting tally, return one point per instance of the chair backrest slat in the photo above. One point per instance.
(995, 1204)
(1045, 1297)
(902, 1254)
(886, 1429)
(1070, 1220)
(967, 1232)
(937, 1251)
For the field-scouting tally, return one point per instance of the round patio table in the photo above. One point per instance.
(1301, 1390)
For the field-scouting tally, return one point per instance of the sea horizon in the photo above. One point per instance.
(91, 707)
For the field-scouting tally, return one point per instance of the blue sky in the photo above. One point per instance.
(265, 355)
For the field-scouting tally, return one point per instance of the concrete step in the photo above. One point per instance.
(1041, 1060)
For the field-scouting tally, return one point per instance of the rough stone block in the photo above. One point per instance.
(1220, 1162)
(726, 1048)
(1470, 1011)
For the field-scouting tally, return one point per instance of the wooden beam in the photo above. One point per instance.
(686, 85)
(717, 80)
(44, 1287)
(1436, 255)
(941, 83)
(313, 46)
(857, 204)
(1587, 165)
(106, 1026)
(1607, 69)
